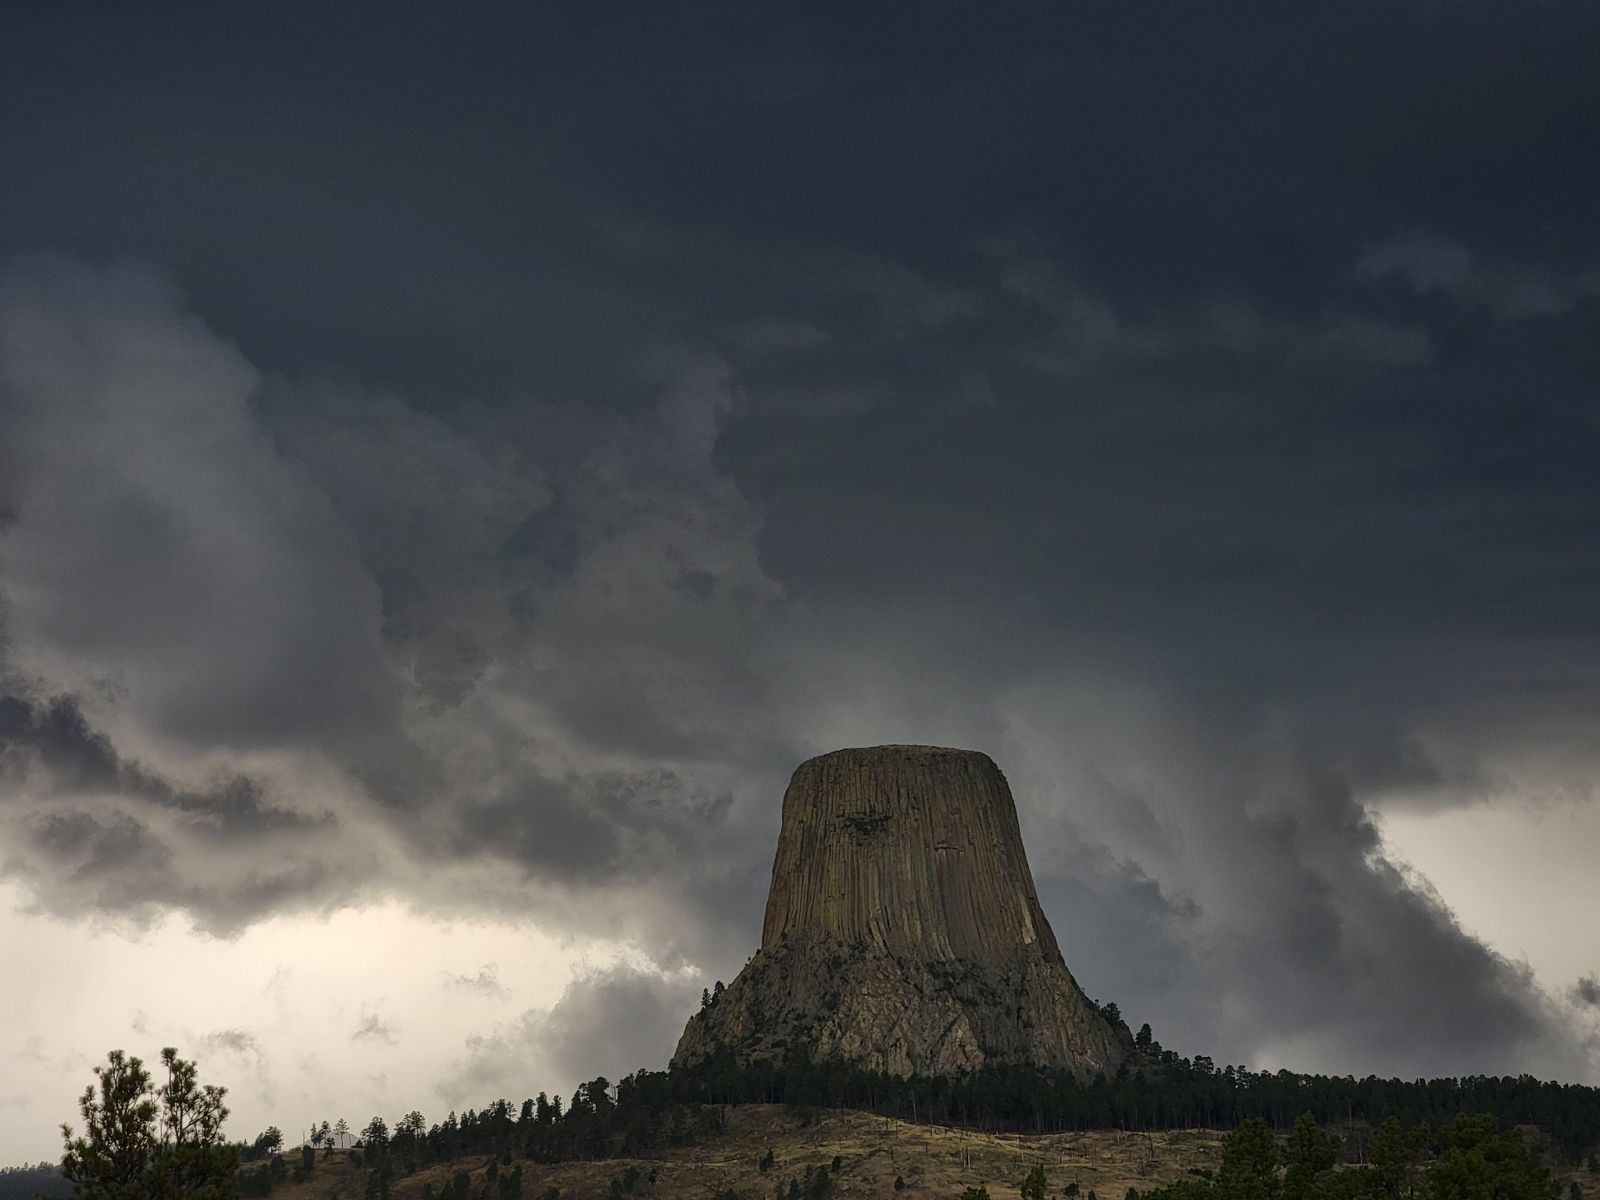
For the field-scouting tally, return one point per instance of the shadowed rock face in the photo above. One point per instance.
(903, 933)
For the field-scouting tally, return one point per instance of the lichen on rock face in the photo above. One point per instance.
(902, 931)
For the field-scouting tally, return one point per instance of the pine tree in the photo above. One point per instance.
(146, 1143)
(1310, 1153)
(1250, 1163)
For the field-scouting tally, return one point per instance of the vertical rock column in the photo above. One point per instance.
(910, 850)
(902, 930)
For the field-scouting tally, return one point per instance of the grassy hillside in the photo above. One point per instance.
(932, 1160)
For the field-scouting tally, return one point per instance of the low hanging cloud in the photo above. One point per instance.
(322, 644)
(93, 832)
(159, 546)
(381, 647)
(608, 1023)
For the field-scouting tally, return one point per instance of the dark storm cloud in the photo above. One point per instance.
(91, 831)
(54, 736)
(1263, 855)
(58, 735)
(157, 531)
(1192, 406)
(579, 827)
(1179, 149)
(372, 562)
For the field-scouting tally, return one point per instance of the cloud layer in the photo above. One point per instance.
(494, 490)
(552, 656)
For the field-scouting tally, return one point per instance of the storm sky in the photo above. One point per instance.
(455, 461)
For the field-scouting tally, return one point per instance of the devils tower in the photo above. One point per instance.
(903, 933)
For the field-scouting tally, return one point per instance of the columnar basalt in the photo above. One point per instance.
(902, 931)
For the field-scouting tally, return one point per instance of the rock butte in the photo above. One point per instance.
(903, 933)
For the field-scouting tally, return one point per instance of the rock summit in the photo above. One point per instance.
(902, 931)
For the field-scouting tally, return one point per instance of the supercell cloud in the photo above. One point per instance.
(480, 497)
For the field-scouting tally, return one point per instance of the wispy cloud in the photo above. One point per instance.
(373, 1028)
(1431, 264)
(484, 983)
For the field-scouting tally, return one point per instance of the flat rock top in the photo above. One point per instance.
(865, 769)
(895, 750)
